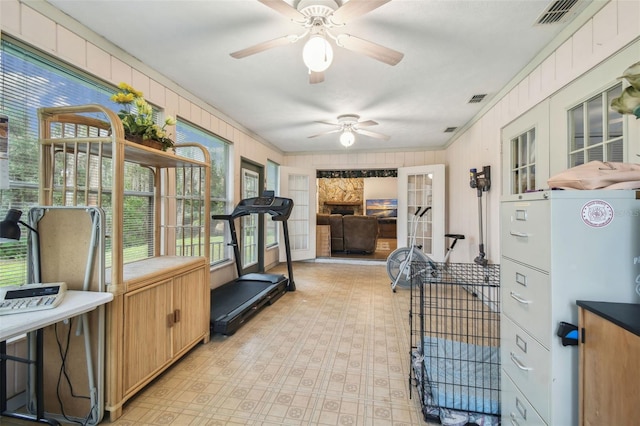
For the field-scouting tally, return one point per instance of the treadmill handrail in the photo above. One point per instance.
(280, 210)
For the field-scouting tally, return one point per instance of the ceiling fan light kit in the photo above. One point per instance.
(348, 125)
(347, 138)
(317, 53)
(316, 17)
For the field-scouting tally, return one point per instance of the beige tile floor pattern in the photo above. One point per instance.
(334, 352)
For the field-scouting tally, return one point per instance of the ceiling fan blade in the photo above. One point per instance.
(369, 48)
(367, 123)
(372, 134)
(316, 77)
(326, 133)
(329, 123)
(265, 45)
(354, 8)
(284, 9)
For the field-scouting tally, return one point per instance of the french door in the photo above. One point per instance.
(420, 187)
(300, 185)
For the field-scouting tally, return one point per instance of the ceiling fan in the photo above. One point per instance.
(347, 125)
(317, 17)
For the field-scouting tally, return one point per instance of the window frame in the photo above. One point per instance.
(579, 115)
(536, 118)
(219, 228)
(526, 142)
(272, 183)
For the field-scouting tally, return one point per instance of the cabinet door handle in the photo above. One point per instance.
(519, 234)
(176, 315)
(519, 298)
(170, 320)
(518, 363)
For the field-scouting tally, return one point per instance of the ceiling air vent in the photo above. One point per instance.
(450, 129)
(556, 12)
(476, 99)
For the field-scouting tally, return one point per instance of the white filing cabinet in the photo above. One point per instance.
(557, 247)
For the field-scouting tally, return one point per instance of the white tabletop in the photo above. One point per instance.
(74, 303)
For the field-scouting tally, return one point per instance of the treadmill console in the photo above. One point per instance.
(279, 208)
(266, 199)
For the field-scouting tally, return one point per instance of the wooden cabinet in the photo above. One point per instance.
(609, 363)
(556, 250)
(158, 267)
(190, 308)
(165, 317)
(147, 346)
(387, 227)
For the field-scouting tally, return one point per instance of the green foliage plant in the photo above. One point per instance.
(139, 122)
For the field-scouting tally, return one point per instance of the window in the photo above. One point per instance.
(273, 184)
(523, 162)
(595, 130)
(31, 80)
(220, 152)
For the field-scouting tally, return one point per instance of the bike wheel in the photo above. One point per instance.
(398, 264)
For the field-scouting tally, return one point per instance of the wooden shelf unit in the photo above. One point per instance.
(160, 308)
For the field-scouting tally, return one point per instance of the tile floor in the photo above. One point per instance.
(334, 352)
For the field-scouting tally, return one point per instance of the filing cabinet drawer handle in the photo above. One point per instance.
(519, 234)
(521, 409)
(513, 420)
(519, 298)
(519, 364)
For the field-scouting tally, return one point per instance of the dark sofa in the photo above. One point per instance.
(351, 233)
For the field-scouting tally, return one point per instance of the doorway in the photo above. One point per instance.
(252, 244)
(362, 192)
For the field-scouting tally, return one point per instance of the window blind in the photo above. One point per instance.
(31, 80)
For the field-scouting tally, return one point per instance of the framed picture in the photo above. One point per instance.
(382, 207)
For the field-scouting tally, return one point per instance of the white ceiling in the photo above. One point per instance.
(453, 50)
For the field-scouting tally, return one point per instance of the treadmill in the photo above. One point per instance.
(233, 303)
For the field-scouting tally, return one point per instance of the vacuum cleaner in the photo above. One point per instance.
(481, 182)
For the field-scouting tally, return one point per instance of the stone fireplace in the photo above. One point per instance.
(343, 191)
(340, 195)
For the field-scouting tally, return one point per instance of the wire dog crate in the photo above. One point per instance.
(455, 342)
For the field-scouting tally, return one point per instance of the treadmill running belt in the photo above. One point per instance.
(234, 303)
(229, 297)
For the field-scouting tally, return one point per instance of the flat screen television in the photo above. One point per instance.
(382, 207)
